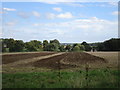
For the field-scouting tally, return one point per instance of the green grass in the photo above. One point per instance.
(103, 78)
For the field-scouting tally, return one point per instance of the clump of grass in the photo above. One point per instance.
(103, 78)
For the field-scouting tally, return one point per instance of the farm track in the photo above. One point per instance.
(25, 53)
(30, 60)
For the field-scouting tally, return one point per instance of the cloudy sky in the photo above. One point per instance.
(67, 22)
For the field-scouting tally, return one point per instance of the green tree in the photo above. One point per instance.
(52, 47)
(100, 47)
(30, 47)
(19, 46)
(45, 43)
(86, 45)
(68, 48)
(82, 48)
(12, 45)
(76, 48)
(55, 41)
(9, 43)
(112, 44)
(76, 44)
(33, 45)
(62, 48)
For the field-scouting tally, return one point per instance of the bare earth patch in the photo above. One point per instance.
(10, 58)
(68, 60)
(63, 61)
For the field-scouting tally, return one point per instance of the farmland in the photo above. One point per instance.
(59, 44)
(52, 70)
(9, 58)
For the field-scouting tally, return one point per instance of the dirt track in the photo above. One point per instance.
(30, 60)
(10, 58)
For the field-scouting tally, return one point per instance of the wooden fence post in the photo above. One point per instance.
(86, 77)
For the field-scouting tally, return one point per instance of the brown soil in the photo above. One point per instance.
(52, 62)
(82, 58)
(73, 57)
(10, 58)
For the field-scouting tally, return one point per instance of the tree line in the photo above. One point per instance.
(11, 45)
(108, 45)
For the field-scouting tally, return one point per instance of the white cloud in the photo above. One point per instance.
(2, 12)
(10, 23)
(70, 3)
(59, 1)
(36, 24)
(56, 32)
(28, 14)
(50, 16)
(93, 27)
(57, 9)
(115, 13)
(77, 30)
(94, 24)
(9, 9)
(66, 15)
(36, 14)
(89, 23)
(75, 4)
(23, 14)
(50, 2)
(113, 3)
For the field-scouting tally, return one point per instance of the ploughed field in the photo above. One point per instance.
(68, 60)
(52, 61)
(9, 58)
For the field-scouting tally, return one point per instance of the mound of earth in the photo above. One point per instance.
(82, 58)
(52, 62)
(68, 60)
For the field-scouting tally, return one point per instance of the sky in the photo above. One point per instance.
(70, 22)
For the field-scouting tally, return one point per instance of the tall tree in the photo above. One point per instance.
(45, 43)
(55, 41)
(62, 48)
(19, 46)
(52, 47)
(76, 48)
(68, 48)
(86, 45)
(55, 44)
(33, 45)
(10, 43)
